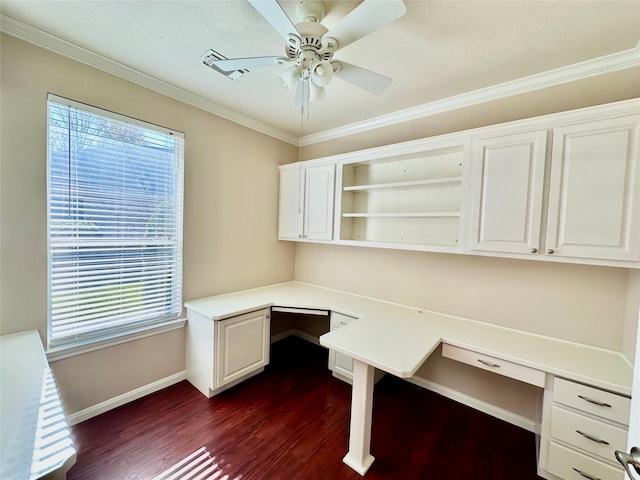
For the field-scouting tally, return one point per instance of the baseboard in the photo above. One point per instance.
(484, 407)
(102, 407)
(127, 397)
(295, 333)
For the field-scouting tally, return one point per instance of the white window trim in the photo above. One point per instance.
(90, 345)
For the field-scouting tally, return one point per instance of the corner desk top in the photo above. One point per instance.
(398, 338)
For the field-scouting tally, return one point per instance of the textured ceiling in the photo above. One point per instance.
(439, 49)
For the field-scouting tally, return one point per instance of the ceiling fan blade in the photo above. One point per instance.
(364, 19)
(232, 64)
(360, 77)
(274, 14)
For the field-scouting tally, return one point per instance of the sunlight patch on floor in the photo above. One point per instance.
(200, 465)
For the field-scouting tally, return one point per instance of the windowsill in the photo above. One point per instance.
(78, 348)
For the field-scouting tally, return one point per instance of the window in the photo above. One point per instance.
(114, 224)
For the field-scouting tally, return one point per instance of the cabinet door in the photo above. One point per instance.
(318, 210)
(508, 182)
(594, 193)
(290, 207)
(242, 346)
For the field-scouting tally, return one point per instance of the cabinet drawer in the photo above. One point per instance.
(587, 433)
(571, 465)
(496, 365)
(592, 400)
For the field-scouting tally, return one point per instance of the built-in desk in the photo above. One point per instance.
(36, 442)
(398, 339)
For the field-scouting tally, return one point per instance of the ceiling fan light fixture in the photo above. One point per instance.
(289, 77)
(321, 72)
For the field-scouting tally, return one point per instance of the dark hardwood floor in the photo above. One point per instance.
(292, 422)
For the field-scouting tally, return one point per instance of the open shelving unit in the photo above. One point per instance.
(404, 200)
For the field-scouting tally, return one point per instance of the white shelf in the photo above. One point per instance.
(403, 200)
(434, 182)
(403, 215)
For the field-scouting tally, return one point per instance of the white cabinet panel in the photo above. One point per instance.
(318, 204)
(594, 196)
(290, 208)
(586, 433)
(568, 464)
(592, 400)
(306, 202)
(242, 346)
(508, 182)
(495, 365)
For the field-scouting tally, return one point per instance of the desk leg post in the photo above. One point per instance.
(359, 457)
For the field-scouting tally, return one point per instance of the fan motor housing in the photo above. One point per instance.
(310, 39)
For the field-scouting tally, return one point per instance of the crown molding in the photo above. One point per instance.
(570, 73)
(57, 45)
(583, 70)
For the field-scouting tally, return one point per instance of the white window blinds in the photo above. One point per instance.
(114, 223)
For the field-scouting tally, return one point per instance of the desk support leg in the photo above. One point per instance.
(359, 457)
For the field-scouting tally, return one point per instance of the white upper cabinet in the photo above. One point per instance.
(291, 204)
(594, 194)
(576, 199)
(306, 202)
(563, 187)
(318, 202)
(508, 186)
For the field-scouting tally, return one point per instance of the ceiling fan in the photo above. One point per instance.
(310, 46)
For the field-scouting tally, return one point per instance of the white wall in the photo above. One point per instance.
(230, 224)
(580, 303)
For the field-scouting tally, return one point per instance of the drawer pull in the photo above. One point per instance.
(488, 364)
(595, 402)
(586, 475)
(593, 439)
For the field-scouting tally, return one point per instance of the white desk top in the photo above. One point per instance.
(35, 439)
(398, 339)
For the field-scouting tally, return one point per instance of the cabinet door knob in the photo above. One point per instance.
(550, 251)
(534, 250)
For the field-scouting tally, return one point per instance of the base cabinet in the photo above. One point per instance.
(242, 346)
(585, 426)
(223, 353)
